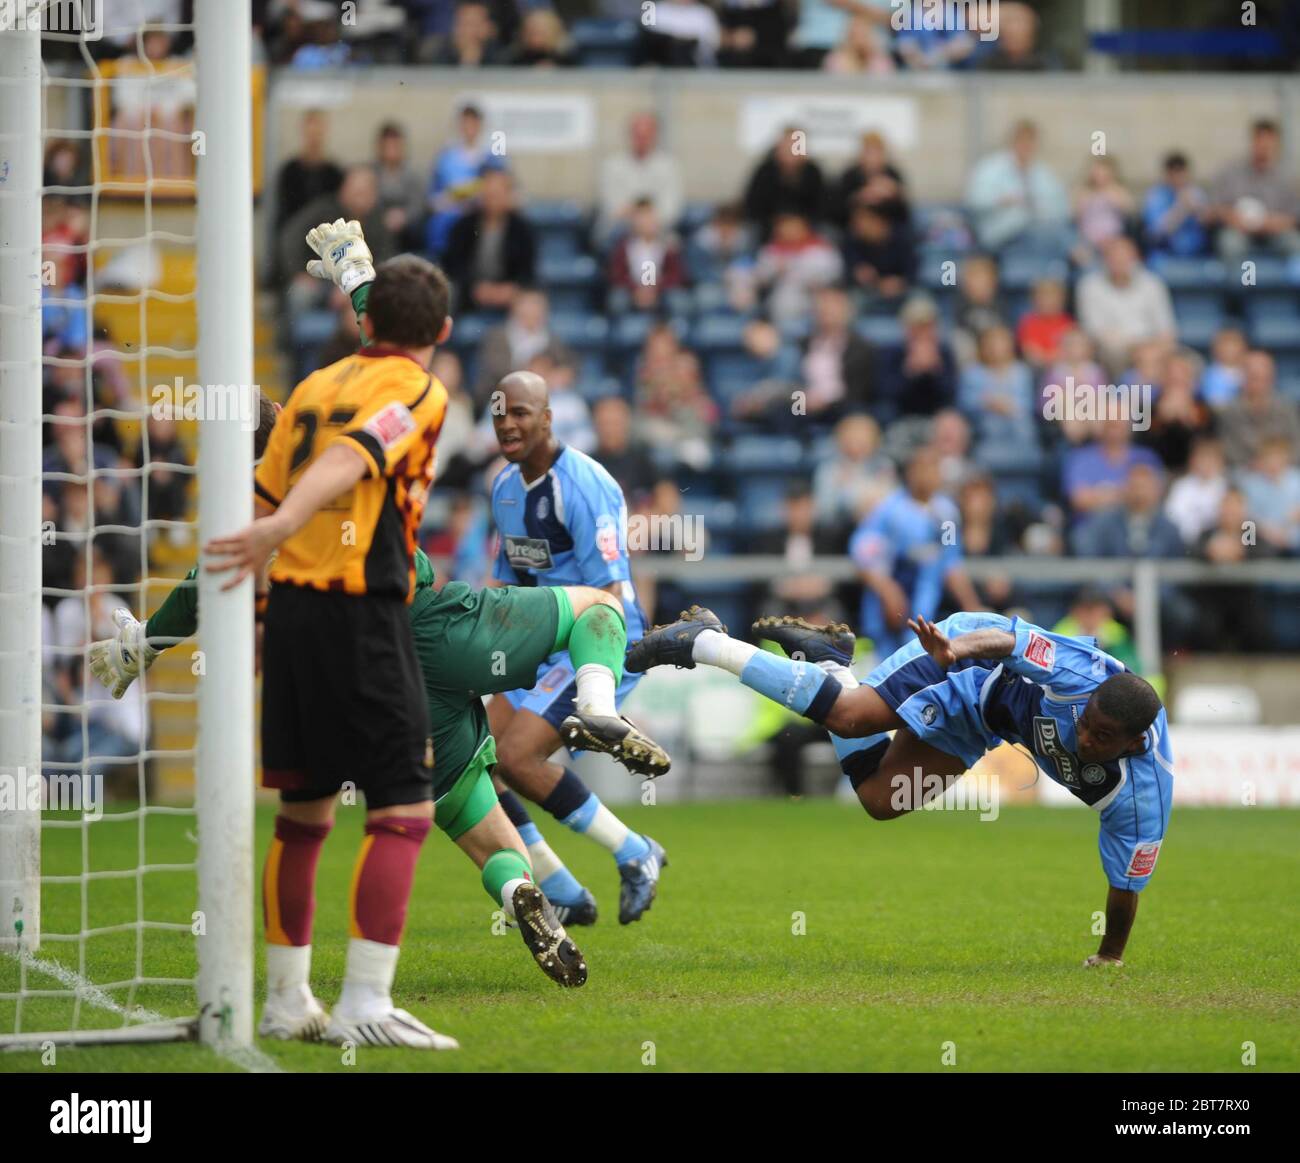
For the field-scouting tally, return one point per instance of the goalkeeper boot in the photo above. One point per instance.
(293, 1014)
(545, 937)
(640, 879)
(385, 1025)
(672, 643)
(808, 643)
(616, 736)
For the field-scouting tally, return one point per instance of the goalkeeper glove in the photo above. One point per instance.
(117, 662)
(344, 256)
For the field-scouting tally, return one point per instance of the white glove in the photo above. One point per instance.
(344, 256)
(117, 662)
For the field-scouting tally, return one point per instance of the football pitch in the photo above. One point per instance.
(787, 936)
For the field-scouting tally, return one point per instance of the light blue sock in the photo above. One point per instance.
(561, 886)
(792, 684)
(581, 820)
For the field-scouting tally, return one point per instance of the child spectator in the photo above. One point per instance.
(996, 393)
(1272, 489)
(1196, 497)
(1227, 368)
(1102, 207)
(645, 263)
(1043, 326)
(1175, 211)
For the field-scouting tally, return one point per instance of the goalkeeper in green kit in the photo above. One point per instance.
(470, 643)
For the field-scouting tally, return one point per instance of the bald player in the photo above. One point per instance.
(562, 521)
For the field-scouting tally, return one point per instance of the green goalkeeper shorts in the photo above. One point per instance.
(472, 643)
(471, 797)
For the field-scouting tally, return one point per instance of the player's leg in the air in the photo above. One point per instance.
(574, 904)
(575, 701)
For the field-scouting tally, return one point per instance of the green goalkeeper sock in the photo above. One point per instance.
(502, 873)
(599, 638)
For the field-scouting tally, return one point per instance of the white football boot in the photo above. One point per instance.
(385, 1025)
(293, 1014)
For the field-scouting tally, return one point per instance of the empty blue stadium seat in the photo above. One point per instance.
(580, 329)
(762, 503)
(715, 332)
(1190, 272)
(1019, 271)
(1260, 303)
(1274, 333)
(604, 43)
(765, 454)
(880, 331)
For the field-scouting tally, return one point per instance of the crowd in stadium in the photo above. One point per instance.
(814, 333)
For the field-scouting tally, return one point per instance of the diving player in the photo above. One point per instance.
(562, 521)
(957, 690)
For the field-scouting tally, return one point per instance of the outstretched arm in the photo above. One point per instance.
(977, 644)
(1121, 910)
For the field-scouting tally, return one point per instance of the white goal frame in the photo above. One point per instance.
(223, 1011)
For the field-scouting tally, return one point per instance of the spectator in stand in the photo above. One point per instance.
(1257, 412)
(1075, 368)
(978, 308)
(357, 197)
(1195, 497)
(786, 181)
(70, 450)
(543, 42)
(996, 393)
(1124, 304)
(722, 251)
(66, 165)
(347, 332)
(1226, 371)
(823, 24)
(1103, 207)
(1092, 616)
(862, 52)
(853, 480)
(456, 444)
(1254, 202)
(673, 407)
(310, 173)
(491, 251)
(768, 392)
(323, 46)
(948, 433)
(922, 378)
(879, 254)
(1094, 477)
(1175, 212)
(167, 485)
(1134, 528)
(401, 192)
(626, 459)
(873, 180)
(753, 34)
(929, 49)
(1045, 324)
(1272, 490)
(1016, 48)
(511, 345)
(836, 368)
(685, 34)
(1179, 417)
(792, 266)
(474, 38)
(645, 263)
(1014, 197)
(570, 415)
(456, 175)
(1232, 617)
(95, 724)
(642, 171)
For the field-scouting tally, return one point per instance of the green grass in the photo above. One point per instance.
(933, 930)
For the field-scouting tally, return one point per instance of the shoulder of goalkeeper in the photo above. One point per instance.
(409, 303)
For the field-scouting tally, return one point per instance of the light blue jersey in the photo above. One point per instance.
(567, 528)
(1034, 697)
(918, 545)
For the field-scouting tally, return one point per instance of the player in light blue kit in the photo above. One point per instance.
(908, 550)
(562, 520)
(957, 690)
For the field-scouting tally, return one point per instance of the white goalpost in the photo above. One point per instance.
(92, 948)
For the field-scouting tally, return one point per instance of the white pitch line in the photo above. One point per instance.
(248, 1058)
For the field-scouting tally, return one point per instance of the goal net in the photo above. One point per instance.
(125, 295)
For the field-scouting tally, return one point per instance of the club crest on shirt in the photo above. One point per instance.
(929, 713)
(1143, 860)
(390, 424)
(607, 538)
